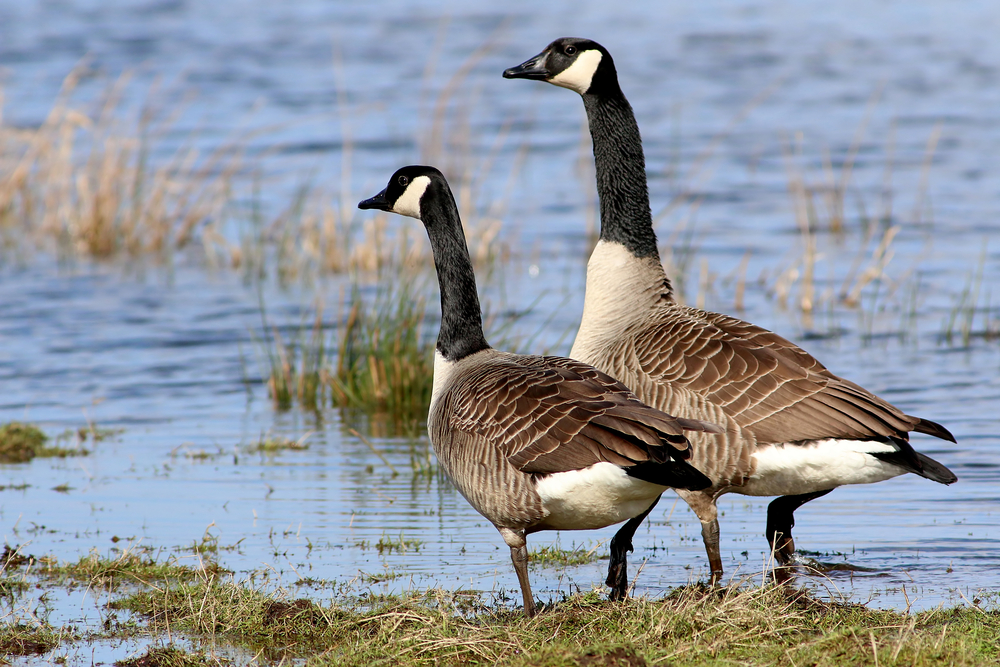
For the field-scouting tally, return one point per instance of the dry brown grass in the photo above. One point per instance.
(108, 181)
(83, 182)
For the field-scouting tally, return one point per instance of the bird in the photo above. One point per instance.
(793, 429)
(532, 442)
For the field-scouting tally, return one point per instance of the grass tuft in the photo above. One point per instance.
(20, 443)
(379, 361)
(384, 356)
(83, 182)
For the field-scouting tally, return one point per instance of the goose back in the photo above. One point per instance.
(503, 420)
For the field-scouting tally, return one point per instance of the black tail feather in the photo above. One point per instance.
(913, 461)
(934, 471)
(675, 474)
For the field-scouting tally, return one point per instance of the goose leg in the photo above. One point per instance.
(781, 519)
(519, 556)
(704, 507)
(710, 536)
(621, 544)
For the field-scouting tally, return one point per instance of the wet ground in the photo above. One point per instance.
(731, 99)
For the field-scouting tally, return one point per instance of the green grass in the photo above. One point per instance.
(379, 360)
(385, 355)
(20, 443)
(400, 544)
(695, 625)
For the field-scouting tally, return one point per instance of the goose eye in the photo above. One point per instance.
(403, 181)
(570, 50)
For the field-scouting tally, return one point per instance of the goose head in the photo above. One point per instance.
(409, 191)
(579, 64)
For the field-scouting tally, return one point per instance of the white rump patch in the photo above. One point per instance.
(579, 75)
(409, 202)
(790, 470)
(594, 497)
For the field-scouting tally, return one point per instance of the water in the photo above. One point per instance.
(724, 94)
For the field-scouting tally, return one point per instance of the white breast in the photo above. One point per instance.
(621, 289)
(443, 372)
(594, 497)
(786, 469)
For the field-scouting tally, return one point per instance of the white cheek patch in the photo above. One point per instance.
(579, 75)
(409, 202)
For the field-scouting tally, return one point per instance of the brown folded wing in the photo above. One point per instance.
(770, 386)
(550, 414)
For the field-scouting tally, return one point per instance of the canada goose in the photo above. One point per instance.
(533, 443)
(793, 428)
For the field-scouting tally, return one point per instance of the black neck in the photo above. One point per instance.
(621, 172)
(461, 317)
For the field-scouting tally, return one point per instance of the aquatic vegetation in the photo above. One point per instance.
(380, 577)
(380, 359)
(115, 180)
(553, 556)
(83, 182)
(20, 443)
(131, 566)
(385, 355)
(400, 544)
(967, 306)
(272, 444)
(23, 639)
(169, 656)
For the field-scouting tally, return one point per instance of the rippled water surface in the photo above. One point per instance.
(735, 101)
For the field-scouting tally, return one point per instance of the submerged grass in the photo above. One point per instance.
(133, 566)
(272, 444)
(548, 556)
(169, 656)
(23, 639)
(20, 443)
(694, 625)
